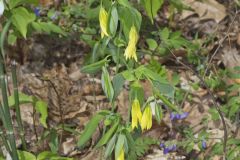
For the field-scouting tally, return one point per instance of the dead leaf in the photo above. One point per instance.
(68, 146)
(231, 59)
(238, 39)
(206, 9)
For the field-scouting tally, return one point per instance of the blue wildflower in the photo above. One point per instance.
(172, 116)
(167, 149)
(178, 116)
(183, 115)
(162, 145)
(204, 144)
(37, 11)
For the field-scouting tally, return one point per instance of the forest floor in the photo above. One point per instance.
(50, 70)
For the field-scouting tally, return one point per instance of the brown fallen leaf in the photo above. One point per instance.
(206, 9)
(231, 59)
(238, 39)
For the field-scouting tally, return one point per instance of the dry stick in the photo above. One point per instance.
(34, 124)
(216, 105)
(219, 45)
(60, 107)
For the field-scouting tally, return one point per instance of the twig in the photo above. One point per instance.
(34, 124)
(219, 45)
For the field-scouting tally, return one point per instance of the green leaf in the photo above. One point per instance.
(118, 82)
(105, 138)
(158, 113)
(152, 7)
(152, 44)
(119, 144)
(106, 84)
(55, 29)
(128, 17)
(20, 23)
(23, 155)
(46, 155)
(214, 114)
(23, 98)
(125, 3)
(95, 67)
(21, 18)
(164, 88)
(53, 143)
(37, 27)
(89, 130)
(128, 75)
(110, 146)
(164, 34)
(234, 109)
(113, 21)
(41, 107)
(12, 38)
(136, 91)
(14, 3)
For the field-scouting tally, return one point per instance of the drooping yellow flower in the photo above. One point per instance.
(121, 155)
(130, 51)
(103, 18)
(146, 121)
(136, 113)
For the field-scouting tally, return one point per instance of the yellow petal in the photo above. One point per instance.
(149, 124)
(136, 113)
(103, 18)
(146, 122)
(121, 155)
(130, 51)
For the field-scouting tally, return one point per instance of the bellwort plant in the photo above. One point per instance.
(120, 25)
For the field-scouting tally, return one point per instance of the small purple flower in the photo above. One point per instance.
(184, 115)
(162, 145)
(172, 116)
(165, 150)
(168, 149)
(178, 116)
(204, 144)
(37, 11)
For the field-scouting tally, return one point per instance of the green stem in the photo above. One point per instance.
(118, 50)
(168, 103)
(5, 143)
(16, 98)
(5, 109)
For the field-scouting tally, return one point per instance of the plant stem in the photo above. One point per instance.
(166, 102)
(16, 99)
(6, 111)
(5, 143)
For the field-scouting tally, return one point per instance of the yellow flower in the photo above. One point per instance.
(103, 18)
(146, 121)
(121, 155)
(130, 51)
(136, 113)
